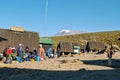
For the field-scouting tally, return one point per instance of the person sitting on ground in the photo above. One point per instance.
(27, 49)
(35, 51)
(8, 55)
(14, 54)
(1, 56)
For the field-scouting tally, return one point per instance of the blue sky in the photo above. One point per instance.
(82, 15)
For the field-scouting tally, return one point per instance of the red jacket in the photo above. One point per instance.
(8, 51)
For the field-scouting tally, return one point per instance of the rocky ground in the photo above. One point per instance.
(77, 67)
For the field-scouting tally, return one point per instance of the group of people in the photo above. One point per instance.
(19, 54)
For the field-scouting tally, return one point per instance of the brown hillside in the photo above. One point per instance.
(110, 37)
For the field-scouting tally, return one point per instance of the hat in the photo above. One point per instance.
(20, 44)
(13, 48)
(40, 45)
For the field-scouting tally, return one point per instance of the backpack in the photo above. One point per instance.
(37, 58)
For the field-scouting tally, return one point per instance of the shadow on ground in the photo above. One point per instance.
(82, 74)
(115, 63)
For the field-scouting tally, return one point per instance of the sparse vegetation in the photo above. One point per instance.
(110, 37)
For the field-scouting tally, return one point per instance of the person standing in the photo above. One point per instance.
(109, 55)
(58, 52)
(20, 52)
(48, 52)
(41, 52)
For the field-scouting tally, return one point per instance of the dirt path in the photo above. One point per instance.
(79, 67)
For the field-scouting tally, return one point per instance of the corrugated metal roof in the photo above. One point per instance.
(45, 41)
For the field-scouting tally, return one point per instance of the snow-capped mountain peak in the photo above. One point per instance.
(64, 32)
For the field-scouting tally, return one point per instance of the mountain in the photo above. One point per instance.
(68, 32)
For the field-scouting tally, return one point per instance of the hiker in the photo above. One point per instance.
(58, 52)
(35, 51)
(41, 52)
(48, 52)
(14, 54)
(26, 54)
(54, 51)
(13, 50)
(109, 55)
(1, 56)
(27, 49)
(8, 55)
(20, 52)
